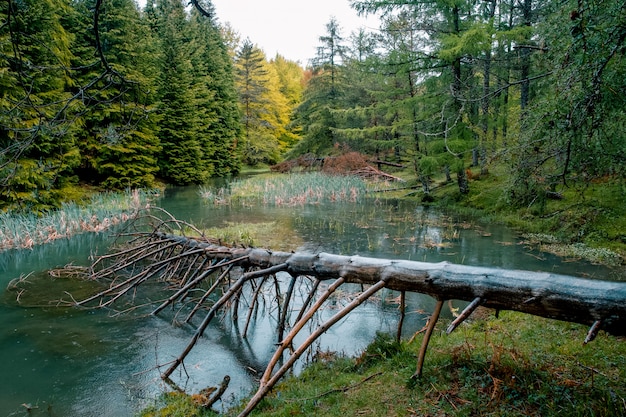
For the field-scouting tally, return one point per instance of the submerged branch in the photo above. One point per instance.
(183, 263)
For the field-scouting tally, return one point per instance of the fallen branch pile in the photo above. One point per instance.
(349, 163)
(219, 273)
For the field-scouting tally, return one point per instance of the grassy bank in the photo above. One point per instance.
(586, 221)
(514, 365)
(101, 212)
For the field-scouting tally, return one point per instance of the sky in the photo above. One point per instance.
(289, 27)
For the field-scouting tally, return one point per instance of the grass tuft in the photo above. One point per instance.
(289, 190)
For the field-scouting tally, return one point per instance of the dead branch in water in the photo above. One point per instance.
(188, 265)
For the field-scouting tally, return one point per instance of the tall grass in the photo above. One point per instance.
(103, 211)
(289, 190)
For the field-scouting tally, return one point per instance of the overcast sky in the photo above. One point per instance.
(289, 27)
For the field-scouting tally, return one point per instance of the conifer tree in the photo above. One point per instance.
(38, 144)
(118, 142)
(181, 158)
(323, 94)
(220, 118)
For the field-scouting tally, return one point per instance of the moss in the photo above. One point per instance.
(176, 404)
(517, 365)
(591, 217)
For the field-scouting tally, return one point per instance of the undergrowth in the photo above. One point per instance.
(514, 365)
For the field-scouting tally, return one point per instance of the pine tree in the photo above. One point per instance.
(119, 144)
(38, 143)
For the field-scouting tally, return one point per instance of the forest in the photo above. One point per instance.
(519, 104)
(101, 93)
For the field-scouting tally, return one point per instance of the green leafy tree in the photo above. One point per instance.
(290, 77)
(264, 108)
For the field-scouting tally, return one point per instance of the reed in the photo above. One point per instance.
(289, 190)
(103, 211)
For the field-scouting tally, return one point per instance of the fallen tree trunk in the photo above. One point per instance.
(185, 262)
(544, 294)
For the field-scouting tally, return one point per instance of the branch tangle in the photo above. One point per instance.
(592, 302)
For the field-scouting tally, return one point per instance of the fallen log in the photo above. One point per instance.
(543, 294)
(599, 304)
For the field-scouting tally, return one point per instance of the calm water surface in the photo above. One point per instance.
(61, 361)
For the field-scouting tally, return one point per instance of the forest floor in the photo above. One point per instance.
(513, 365)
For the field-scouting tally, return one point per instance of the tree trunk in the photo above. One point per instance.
(592, 302)
(462, 182)
(542, 294)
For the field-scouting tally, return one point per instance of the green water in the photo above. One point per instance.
(63, 361)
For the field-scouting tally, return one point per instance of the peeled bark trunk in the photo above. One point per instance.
(542, 294)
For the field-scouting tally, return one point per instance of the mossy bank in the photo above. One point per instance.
(582, 221)
(512, 365)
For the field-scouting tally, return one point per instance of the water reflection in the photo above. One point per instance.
(73, 362)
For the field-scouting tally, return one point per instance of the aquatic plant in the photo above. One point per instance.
(216, 197)
(550, 243)
(289, 190)
(103, 211)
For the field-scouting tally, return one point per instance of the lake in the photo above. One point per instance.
(65, 361)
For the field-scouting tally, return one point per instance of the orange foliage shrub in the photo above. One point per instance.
(343, 164)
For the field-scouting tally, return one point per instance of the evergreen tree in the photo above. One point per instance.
(118, 142)
(38, 144)
(220, 117)
(574, 129)
(322, 95)
(181, 158)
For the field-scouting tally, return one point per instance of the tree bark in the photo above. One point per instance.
(542, 294)
(600, 304)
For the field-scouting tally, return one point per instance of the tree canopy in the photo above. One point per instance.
(445, 86)
(99, 92)
(102, 93)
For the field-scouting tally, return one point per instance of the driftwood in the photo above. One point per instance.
(184, 263)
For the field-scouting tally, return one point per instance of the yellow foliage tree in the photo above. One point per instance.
(267, 95)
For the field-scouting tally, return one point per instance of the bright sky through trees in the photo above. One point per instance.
(288, 27)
